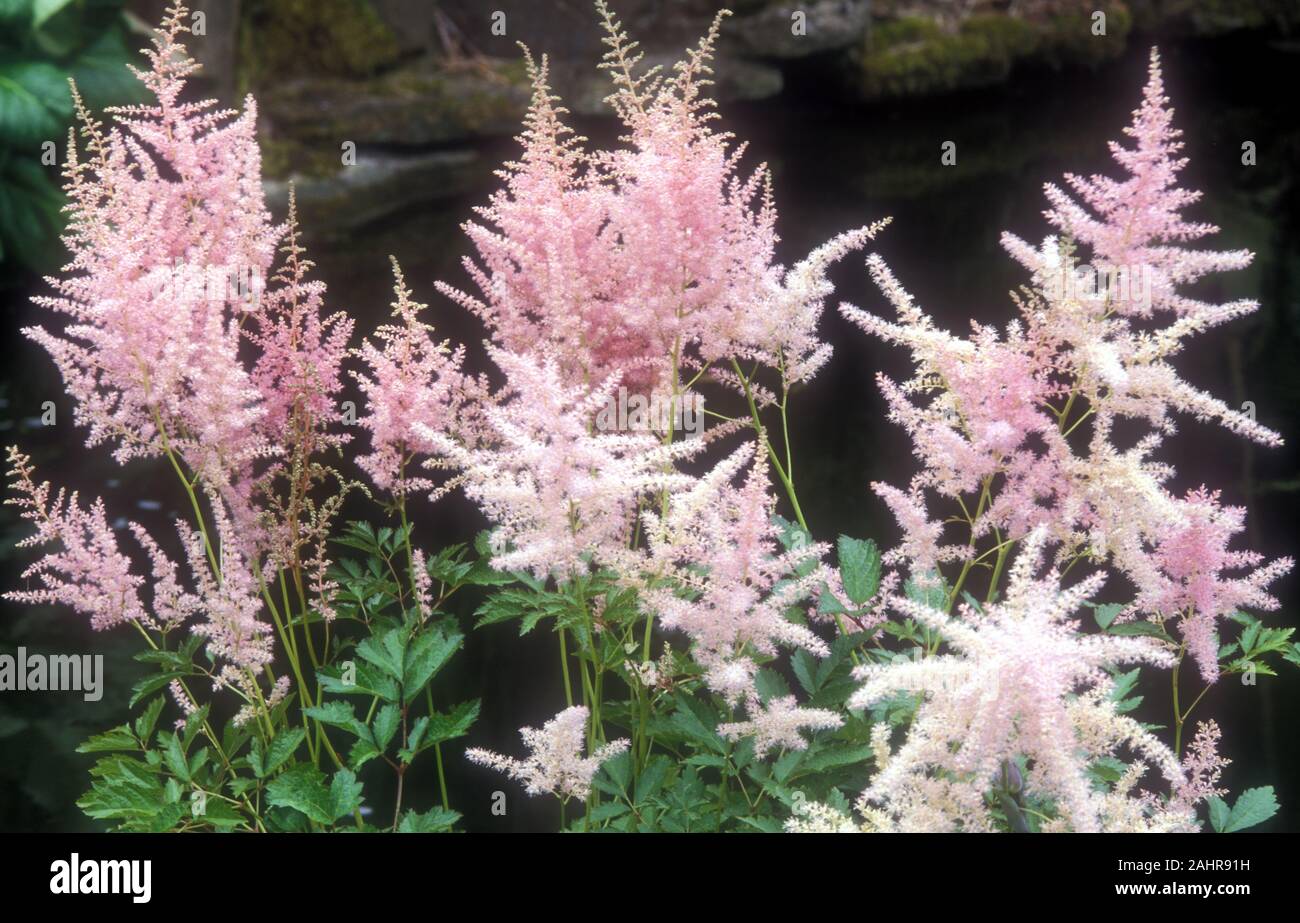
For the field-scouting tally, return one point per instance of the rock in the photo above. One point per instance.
(917, 55)
(422, 104)
(378, 185)
(828, 25)
(282, 39)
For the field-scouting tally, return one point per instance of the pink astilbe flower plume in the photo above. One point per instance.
(1136, 223)
(635, 261)
(166, 211)
(172, 247)
(718, 574)
(1189, 579)
(229, 599)
(412, 379)
(299, 368)
(1134, 232)
(560, 493)
(1022, 681)
(89, 573)
(555, 764)
(1017, 428)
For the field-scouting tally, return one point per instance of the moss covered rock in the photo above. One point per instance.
(283, 39)
(914, 55)
(419, 105)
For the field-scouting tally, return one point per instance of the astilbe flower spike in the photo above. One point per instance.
(172, 249)
(167, 207)
(991, 416)
(89, 574)
(1022, 682)
(177, 347)
(718, 574)
(412, 379)
(560, 493)
(555, 764)
(633, 261)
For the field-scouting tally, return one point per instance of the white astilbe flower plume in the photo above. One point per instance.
(720, 575)
(775, 725)
(555, 764)
(1021, 681)
(558, 491)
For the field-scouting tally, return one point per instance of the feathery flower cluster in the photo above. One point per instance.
(634, 261)
(625, 267)
(1022, 682)
(560, 494)
(172, 247)
(170, 241)
(178, 346)
(412, 379)
(991, 416)
(555, 764)
(89, 574)
(719, 576)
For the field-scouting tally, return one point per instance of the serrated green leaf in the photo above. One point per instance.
(1253, 807)
(302, 787)
(385, 725)
(859, 568)
(438, 820)
(283, 746)
(118, 738)
(427, 654)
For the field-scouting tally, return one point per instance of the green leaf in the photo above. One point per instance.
(453, 724)
(129, 791)
(362, 752)
(302, 787)
(687, 719)
(35, 104)
(385, 725)
(345, 794)
(174, 757)
(43, 10)
(652, 778)
(119, 738)
(1145, 629)
(1219, 812)
(218, 813)
(439, 820)
(151, 684)
(148, 719)
(859, 568)
(805, 670)
(427, 654)
(368, 681)
(338, 714)
(283, 746)
(385, 652)
(615, 775)
(1250, 636)
(933, 592)
(1254, 806)
(770, 685)
(1106, 613)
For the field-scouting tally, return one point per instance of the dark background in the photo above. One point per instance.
(843, 153)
